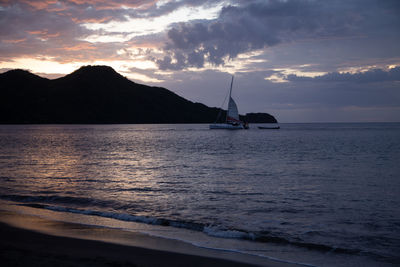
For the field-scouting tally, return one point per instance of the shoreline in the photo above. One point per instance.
(20, 247)
(35, 241)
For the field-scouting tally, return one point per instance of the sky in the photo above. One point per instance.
(299, 60)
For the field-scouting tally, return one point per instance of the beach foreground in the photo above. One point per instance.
(21, 247)
(34, 247)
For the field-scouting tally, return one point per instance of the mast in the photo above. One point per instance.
(230, 91)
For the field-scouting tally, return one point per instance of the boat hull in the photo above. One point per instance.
(226, 126)
(273, 126)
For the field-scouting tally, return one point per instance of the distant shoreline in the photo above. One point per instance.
(99, 95)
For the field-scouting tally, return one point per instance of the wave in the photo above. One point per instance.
(218, 231)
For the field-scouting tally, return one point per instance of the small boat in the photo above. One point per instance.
(232, 121)
(274, 127)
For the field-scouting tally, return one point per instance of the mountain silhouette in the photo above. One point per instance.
(97, 94)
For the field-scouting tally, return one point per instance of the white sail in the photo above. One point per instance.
(232, 116)
(233, 113)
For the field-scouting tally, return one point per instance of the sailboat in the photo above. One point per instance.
(232, 121)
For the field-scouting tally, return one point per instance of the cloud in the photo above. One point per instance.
(36, 29)
(292, 101)
(46, 27)
(252, 25)
(374, 75)
(54, 5)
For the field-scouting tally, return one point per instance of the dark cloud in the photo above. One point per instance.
(374, 75)
(259, 24)
(290, 101)
(317, 101)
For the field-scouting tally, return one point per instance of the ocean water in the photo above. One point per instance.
(315, 194)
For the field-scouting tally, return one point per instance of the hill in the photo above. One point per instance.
(95, 94)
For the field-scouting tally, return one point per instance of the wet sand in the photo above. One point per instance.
(21, 247)
(33, 241)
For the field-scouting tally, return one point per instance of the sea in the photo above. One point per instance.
(317, 194)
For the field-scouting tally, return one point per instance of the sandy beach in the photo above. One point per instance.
(21, 247)
(33, 241)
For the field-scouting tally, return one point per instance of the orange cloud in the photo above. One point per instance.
(105, 4)
(44, 4)
(56, 5)
(14, 41)
(53, 35)
(92, 20)
(35, 32)
(81, 46)
(44, 34)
